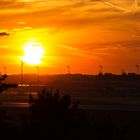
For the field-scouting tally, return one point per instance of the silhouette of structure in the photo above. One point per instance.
(21, 82)
(38, 76)
(123, 72)
(4, 86)
(137, 68)
(69, 69)
(100, 70)
(5, 70)
(2, 78)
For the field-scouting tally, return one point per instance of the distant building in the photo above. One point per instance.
(108, 74)
(100, 74)
(131, 74)
(124, 73)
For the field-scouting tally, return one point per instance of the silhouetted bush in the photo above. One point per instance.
(55, 117)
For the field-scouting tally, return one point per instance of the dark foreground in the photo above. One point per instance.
(68, 124)
(97, 125)
(109, 109)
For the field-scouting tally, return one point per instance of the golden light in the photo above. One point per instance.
(33, 54)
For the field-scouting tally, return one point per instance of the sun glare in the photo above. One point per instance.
(33, 54)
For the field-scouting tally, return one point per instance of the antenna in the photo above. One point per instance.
(69, 69)
(100, 69)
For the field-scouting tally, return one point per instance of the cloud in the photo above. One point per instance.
(4, 34)
(132, 8)
(130, 44)
(111, 49)
(60, 4)
(4, 4)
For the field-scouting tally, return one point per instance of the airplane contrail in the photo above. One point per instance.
(133, 7)
(114, 6)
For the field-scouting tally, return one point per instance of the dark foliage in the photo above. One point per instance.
(54, 117)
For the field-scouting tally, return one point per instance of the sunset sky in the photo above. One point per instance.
(80, 33)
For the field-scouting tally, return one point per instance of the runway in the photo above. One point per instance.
(16, 100)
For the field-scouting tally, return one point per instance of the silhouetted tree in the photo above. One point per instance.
(52, 115)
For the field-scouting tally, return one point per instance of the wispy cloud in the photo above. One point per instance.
(131, 8)
(47, 4)
(4, 34)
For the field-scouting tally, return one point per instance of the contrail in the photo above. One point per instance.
(133, 8)
(115, 6)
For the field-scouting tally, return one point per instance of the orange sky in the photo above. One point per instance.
(80, 33)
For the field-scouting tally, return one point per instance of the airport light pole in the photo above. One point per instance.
(37, 76)
(5, 70)
(21, 78)
(69, 69)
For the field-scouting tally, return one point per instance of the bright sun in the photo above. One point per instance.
(33, 54)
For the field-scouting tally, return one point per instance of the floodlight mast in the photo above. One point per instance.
(21, 78)
(137, 67)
